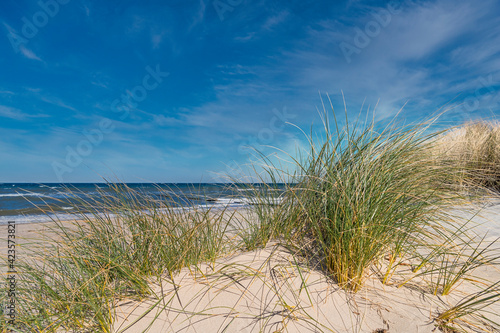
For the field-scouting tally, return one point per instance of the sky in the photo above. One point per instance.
(177, 91)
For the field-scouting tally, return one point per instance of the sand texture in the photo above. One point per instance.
(268, 291)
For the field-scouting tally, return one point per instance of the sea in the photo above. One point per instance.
(29, 203)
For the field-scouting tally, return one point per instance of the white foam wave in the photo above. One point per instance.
(22, 195)
(229, 201)
(251, 201)
(24, 219)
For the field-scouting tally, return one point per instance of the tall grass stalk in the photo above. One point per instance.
(458, 264)
(472, 311)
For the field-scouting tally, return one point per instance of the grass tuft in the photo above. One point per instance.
(128, 240)
(474, 148)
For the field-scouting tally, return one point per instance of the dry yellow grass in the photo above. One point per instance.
(473, 149)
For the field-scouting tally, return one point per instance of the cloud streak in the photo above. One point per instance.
(16, 114)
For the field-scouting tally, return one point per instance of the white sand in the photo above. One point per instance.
(262, 291)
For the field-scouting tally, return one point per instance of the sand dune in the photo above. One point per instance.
(268, 290)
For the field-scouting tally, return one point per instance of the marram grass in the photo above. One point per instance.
(474, 148)
(128, 240)
(361, 194)
(360, 199)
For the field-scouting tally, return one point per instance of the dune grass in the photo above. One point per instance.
(361, 194)
(474, 147)
(362, 201)
(126, 241)
(362, 198)
(471, 311)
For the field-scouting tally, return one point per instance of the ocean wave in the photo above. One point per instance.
(231, 200)
(21, 219)
(38, 218)
(17, 195)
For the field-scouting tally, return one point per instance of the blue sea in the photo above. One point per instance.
(26, 203)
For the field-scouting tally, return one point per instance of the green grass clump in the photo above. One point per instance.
(127, 241)
(360, 195)
(364, 200)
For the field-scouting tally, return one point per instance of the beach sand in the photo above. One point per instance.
(268, 291)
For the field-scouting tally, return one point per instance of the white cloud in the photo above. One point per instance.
(87, 10)
(21, 47)
(57, 102)
(37, 92)
(229, 69)
(199, 16)
(12, 113)
(411, 58)
(419, 31)
(275, 20)
(16, 114)
(28, 53)
(269, 24)
(161, 120)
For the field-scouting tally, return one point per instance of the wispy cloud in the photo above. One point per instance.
(48, 98)
(199, 16)
(275, 20)
(86, 8)
(162, 120)
(237, 69)
(231, 81)
(21, 47)
(28, 53)
(58, 102)
(16, 114)
(268, 25)
(12, 113)
(396, 66)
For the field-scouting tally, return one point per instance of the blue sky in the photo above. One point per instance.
(172, 91)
